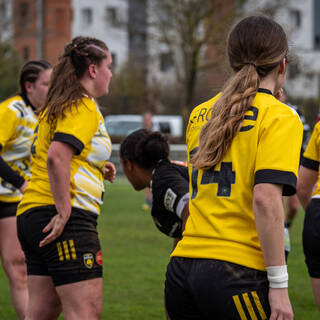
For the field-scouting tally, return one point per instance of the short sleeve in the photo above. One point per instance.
(170, 185)
(9, 122)
(78, 126)
(278, 152)
(311, 156)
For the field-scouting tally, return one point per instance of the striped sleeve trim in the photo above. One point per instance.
(70, 139)
(310, 164)
(285, 178)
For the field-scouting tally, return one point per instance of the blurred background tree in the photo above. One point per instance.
(10, 65)
(10, 62)
(195, 33)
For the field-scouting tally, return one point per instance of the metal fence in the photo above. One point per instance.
(177, 152)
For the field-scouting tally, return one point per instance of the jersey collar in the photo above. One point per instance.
(27, 101)
(267, 91)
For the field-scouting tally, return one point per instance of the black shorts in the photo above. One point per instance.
(8, 209)
(206, 289)
(311, 238)
(74, 256)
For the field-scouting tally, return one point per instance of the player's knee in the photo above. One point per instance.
(15, 267)
(97, 308)
(50, 313)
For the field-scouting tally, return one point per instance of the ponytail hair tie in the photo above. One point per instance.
(251, 63)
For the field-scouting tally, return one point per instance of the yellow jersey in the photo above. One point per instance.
(221, 224)
(83, 128)
(311, 157)
(18, 122)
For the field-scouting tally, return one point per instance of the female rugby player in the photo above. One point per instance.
(57, 216)
(145, 161)
(309, 196)
(244, 147)
(18, 120)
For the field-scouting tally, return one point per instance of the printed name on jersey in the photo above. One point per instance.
(203, 115)
(169, 199)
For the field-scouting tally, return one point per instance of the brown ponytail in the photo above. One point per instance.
(256, 45)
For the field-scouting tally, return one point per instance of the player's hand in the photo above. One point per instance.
(56, 225)
(109, 172)
(280, 304)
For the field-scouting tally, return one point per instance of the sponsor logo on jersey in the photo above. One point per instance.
(88, 260)
(99, 258)
(169, 199)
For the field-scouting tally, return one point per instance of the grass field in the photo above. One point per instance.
(135, 256)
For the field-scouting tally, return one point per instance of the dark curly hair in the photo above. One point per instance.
(146, 148)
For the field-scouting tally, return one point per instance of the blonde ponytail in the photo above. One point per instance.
(227, 115)
(256, 46)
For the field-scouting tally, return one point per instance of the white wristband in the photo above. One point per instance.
(278, 276)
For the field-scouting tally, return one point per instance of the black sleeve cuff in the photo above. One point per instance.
(9, 175)
(70, 139)
(310, 164)
(285, 178)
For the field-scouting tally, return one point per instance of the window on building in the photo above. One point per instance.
(87, 17)
(316, 24)
(295, 18)
(114, 60)
(293, 70)
(112, 16)
(166, 61)
(3, 10)
(23, 13)
(25, 53)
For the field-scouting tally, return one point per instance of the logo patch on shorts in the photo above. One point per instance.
(99, 258)
(88, 260)
(169, 199)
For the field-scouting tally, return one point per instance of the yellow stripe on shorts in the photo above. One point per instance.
(66, 250)
(258, 304)
(60, 253)
(73, 250)
(249, 306)
(238, 305)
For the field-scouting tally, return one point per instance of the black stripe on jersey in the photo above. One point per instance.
(265, 91)
(9, 175)
(310, 164)
(27, 101)
(286, 178)
(70, 139)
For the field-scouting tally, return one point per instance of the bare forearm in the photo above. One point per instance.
(269, 217)
(59, 177)
(185, 215)
(304, 198)
(306, 184)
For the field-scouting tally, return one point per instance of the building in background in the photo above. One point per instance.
(301, 20)
(5, 19)
(41, 28)
(106, 20)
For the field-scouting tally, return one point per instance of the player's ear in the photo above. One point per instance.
(28, 86)
(92, 71)
(129, 165)
(283, 66)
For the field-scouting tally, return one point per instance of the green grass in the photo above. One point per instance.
(135, 256)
